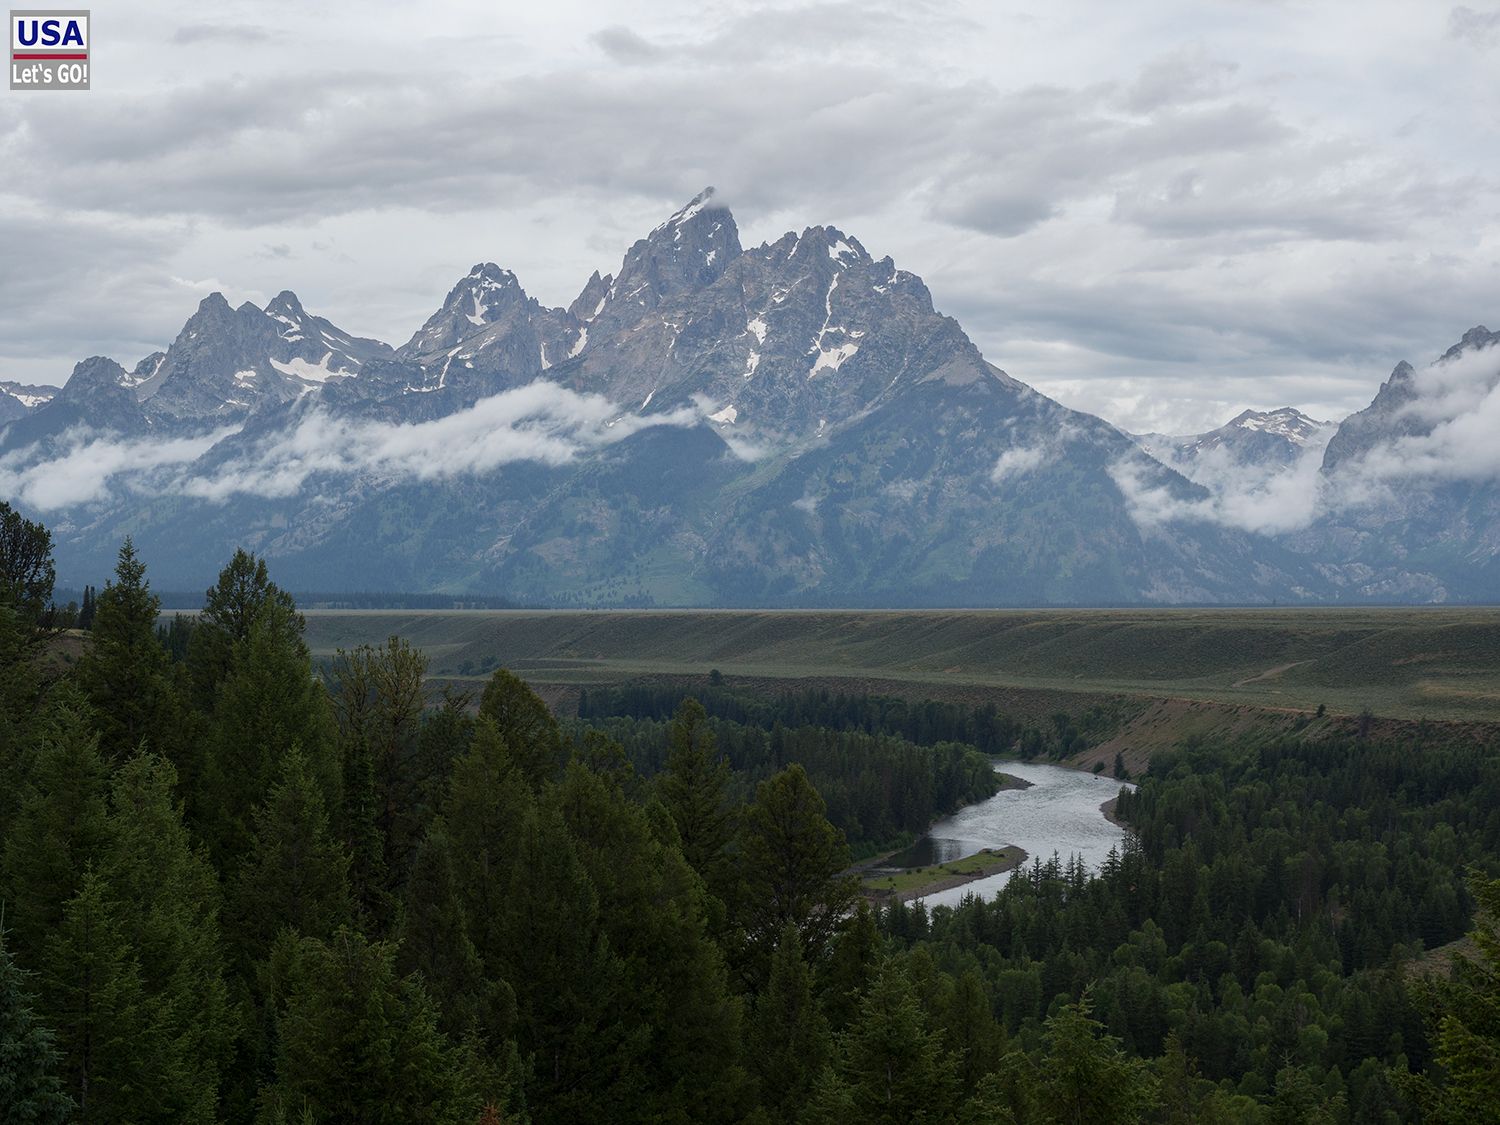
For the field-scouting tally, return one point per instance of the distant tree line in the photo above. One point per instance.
(880, 790)
(928, 722)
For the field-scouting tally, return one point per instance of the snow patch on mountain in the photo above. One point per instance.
(319, 372)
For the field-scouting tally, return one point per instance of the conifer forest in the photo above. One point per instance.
(240, 884)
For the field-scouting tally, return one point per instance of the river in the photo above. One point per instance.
(1059, 813)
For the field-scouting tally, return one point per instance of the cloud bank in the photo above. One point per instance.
(1151, 211)
(539, 422)
(1446, 433)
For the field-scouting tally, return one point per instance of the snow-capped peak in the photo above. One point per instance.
(1284, 422)
(704, 200)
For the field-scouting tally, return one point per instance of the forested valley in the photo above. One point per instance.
(236, 885)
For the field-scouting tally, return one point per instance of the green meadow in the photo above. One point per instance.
(1394, 662)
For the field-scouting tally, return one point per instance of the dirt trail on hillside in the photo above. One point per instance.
(1269, 673)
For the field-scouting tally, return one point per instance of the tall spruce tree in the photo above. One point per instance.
(378, 697)
(892, 1062)
(694, 790)
(568, 982)
(1466, 1015)
(296, 876)
(243, 591)
(435, 944)
(1085, 1075)
(970, 1032)
(21, 685)
(488, 807)
(530, 731)
(358, 1044)
(850, 968)
(125, 671)
(652, 912)
(61, 827)
(26, 570)
(169, 901)
(93, 995)
(789, 1042)
(267, 703)
(31, 1091)
(791, 858)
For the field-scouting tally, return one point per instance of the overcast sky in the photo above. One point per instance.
(1159, 212)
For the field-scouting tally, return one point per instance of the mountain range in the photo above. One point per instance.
(789, 424)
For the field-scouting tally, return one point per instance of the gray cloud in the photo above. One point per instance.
(1482, 29)
(1186, 75)
(626, 46)
(1458, 402)
(539, 422)
(223, 32)
(1167, 222)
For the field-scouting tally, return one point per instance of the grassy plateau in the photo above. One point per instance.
(1409, 663)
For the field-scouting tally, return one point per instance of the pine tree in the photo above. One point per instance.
(92, 989)
(892, 1063)
(378, 697)
(296, 875)
(26, 571)
(1467, 1017)
(970, 1031)
(30, 1089)
(267, 703)
(693, 789)
(446, 733)
(87, 610)
(360, 832)
(241, 595)
(21, 687)
(792, 858)
(789, 1042)
(435, 943)
(850, 968)
(568, 983)
(61, 828)
(1187, 1098)
(652, 913)
(169, 900)
(528, 728)
(488, 807)
(355, 1043)
(125, 672)
(1086, 1076)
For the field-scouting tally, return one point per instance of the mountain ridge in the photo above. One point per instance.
(790, 423)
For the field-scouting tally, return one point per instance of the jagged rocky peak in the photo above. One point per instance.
(482, 296)
(691, 250)
(841, 250)
(92, 375)
(590, 301)
(1387, 416)
(287, 309)
(1251, 438)
(1476, 337)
